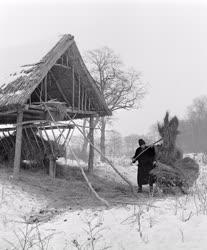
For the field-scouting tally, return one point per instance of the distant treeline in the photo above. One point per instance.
(193, 129)
(191, 139)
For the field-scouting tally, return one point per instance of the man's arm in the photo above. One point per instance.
(135, 158)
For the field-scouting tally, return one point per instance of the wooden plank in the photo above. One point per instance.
(18, 145)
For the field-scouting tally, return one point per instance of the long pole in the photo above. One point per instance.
(147, 148)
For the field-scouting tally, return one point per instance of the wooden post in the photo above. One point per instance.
(91, 148)
(18, 145)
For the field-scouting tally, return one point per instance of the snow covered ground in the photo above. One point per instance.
(158, 223)
(171, 223)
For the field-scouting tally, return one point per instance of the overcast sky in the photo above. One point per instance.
(165, 40)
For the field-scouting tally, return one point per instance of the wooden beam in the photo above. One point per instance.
(91, 148)
(34, 112)
(14, 111)
(18, 145)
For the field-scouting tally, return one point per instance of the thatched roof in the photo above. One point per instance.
(20, 88)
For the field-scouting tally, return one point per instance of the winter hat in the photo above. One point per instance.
(141, 142)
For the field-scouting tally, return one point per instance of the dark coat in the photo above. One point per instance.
(145, 164)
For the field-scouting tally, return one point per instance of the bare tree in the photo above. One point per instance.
(122, 89)
(115, 144)
(131, 143)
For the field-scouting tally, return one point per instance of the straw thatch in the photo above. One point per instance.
(63, 71)
(168, 153)
(173, 173)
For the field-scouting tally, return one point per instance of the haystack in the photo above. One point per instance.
(35, 149)
(173, 172)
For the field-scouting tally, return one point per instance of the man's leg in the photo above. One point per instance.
(139, 182)
(139, 189)
(151, 181)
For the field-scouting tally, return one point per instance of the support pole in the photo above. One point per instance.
(18, 145)
(91, 148)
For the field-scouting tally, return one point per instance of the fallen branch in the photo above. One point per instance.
(86, 179)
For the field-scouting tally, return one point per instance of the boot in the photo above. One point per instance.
(139, 189)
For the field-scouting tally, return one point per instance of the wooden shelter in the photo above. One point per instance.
(35, 95)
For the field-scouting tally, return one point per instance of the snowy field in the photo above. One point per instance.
(158, 223)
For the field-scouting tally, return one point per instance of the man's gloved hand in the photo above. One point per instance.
(154, 163)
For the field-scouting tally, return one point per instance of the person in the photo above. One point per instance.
(146, 162)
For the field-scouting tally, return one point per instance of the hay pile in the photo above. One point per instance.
(173, 172)
(35, 149)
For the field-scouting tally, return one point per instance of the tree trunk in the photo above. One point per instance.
(86, 137)
(85, 142)
(103, 139)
